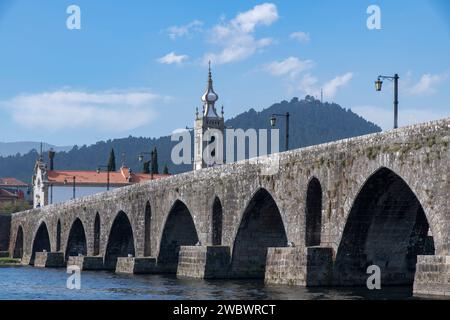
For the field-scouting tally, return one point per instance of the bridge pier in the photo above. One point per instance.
(86, 262)
(299, 266)
(432, 276)
(49, 260)
(133, 265)
(204, 262)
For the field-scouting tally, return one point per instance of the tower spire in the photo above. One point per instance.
(210, 97)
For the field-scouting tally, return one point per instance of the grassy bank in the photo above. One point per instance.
(9, 261)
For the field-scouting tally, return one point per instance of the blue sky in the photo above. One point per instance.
(139, 67)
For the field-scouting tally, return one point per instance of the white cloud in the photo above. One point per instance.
(291, 66)
(309, 85)
(331, 87)
(263, 14)
(427, 84)
(236, 37)
(172, 58)
(300, 36)
(181, 31)
(111, 111)
(384, 117)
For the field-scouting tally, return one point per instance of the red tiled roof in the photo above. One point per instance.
(12, 182)
(5, 194)
(120, 178)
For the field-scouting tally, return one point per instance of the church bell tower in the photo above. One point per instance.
(208, 119)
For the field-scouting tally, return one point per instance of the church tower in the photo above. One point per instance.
(209, 119)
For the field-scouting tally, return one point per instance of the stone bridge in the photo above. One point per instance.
(322, 218)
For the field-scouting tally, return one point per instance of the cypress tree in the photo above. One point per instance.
(112, 161)
(155, 169)
(146, 167)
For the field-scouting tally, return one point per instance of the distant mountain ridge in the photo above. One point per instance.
(311, 123)
(23, 147)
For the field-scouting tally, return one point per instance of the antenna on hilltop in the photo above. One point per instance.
(321, 95)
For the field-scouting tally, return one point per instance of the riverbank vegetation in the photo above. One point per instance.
(9, 261)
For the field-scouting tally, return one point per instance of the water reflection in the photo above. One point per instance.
(33, 283)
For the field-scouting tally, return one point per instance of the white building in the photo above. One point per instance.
(55, 186)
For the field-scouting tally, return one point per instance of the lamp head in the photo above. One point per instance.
(378, 84)
(273, 121)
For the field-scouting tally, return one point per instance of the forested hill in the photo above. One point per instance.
(311, 122)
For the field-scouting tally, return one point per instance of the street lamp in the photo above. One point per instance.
(141, 159)
(273, 123)
(378, 87)
(73, 186)
(107, 177)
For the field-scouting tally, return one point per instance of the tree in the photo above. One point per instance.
(166, 170)
(155, 169)
(146, 167)
(112, 161)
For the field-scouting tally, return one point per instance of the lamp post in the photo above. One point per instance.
(73, 186)
(273, 122)
(378, 87)
(107, 177)
(141, 159)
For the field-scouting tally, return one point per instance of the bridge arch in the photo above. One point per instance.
(387, 226)
(217, 222)
(261, 227)
(41, 241)
(18, 245)
(76, 242)
(313, 213)
(120, 240)
(97, 230)
(147, 230)
(179, 230)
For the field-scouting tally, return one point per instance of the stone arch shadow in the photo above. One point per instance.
(19, 243)
(179, 230)
(261, 226)
(386, 226)
(41, 241)
(217, 221)
(120, 241)
(313, 212)
(148, 249)
(76, 243)
(97, 234)
(58, 235)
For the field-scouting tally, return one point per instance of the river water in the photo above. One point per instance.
(26, 283)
